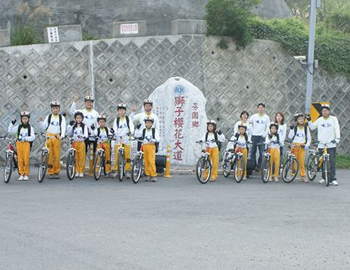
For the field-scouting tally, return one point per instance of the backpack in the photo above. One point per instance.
(99, 130)
(245, 136)
(216, 139)
(75, 126)
(305, 132)
(60, 121)
(29, 133)
(127, 122)
(277, 136)
(153, 135)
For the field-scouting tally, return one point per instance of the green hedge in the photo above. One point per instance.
(332, 49)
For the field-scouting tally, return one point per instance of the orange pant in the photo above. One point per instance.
(23, 153)
(107, 148)
(127, 151)
(80, 156)
(299, 153)
(214, 158)
(149, 154)
(245, 157)
(54, 146)
(275, 162)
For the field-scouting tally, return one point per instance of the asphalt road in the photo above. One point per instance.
(175, 223)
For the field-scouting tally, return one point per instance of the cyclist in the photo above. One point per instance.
(328, 132)
(123, 128)
(102, 133)
(273, 143)
(78, 130)
(260, 127)
(213, 138)
(301, 139)
(55, 126)
(25, 135)
(90, 120)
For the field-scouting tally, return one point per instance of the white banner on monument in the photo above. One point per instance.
(129, 28)
(180, 107)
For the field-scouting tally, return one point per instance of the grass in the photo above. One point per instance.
(343, 162)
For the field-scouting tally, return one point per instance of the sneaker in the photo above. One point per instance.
(334, 183)
(51, 176)
(56, 176)
(81, 175)
(25, 178)
(276, 179)
(322, 181)
(20, 178)
(244, 178)
(108, 175)
(148, 179)
(304, 179)
(91, 175)
(153, 179)
(271, 179)
(212, 180)
(128, 175)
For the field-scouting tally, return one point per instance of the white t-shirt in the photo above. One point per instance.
(260, 125)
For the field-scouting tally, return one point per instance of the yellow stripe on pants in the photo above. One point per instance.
(80, 156)
(23, 153)
(214, 158)
(107, 148)
(149, 154)
(54, 146)
(275, 162)
(127, 152)
(299, 153)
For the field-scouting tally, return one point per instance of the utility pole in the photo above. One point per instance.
(310, 58)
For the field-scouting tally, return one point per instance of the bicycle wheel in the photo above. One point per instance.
(327, 171)
(98, 165)
(203, 170)
(70, 165)
(8, 168)
(265, 170)
(290, 170)
(120, 166)
(42, 166)
(311, 167)
(15, 162)
(238, 169)
(136, 170)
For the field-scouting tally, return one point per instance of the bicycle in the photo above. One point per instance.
(70, 160)
(100, 159)
(319, 161)
(11, 159)
(121, 160)
(291, 166)
(233, 159)
(138, 166)
(204, 166)
(44, 158)
(266, 162)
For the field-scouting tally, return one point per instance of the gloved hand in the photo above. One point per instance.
(93, 127)
(154, 140)
(112, 130)
(337, 141)
(291, 126)
(13, 121)
(138, 126)
(308, 117)
(71, 123)
(219, 131)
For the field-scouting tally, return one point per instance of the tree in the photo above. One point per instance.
(231, 18)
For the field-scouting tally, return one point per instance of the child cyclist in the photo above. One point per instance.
(213, 138)
(123, 127)
(273, 144)
(25, 136)
(55, 126)
(301, 139)
(150, 138)
(102, 134)
(241, 139)
(78, 130)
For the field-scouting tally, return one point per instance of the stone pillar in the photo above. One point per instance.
(5, 38)
(66, 33)
(128, 29)
(183, 27)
